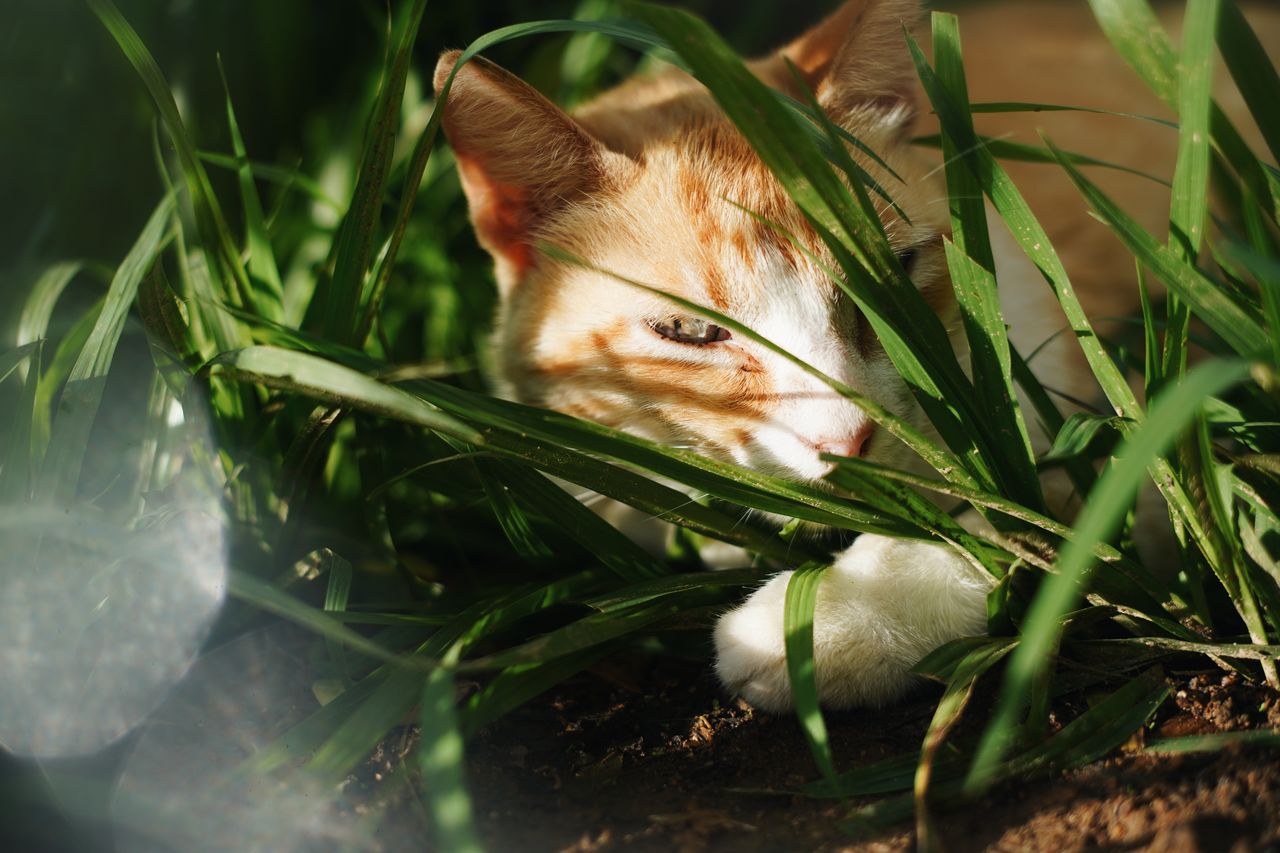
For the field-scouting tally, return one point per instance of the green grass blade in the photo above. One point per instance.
(1136, 33)
(215, 234)
(78, 405)
(1026, 229)
(797, 625)
(623, 556)
(1189, 201)
(340, 297)
(516, 685)
(440, 760)
(1190, 197)
(964, 676)
(266, 597)
(1236, 325)
(1266, 272)
(511, 517)
(1006, 149)
(1111, 498)
(37, 310)
(333, 383)
(972, 265)
(337, 596)
(9, 361)
(267, 293)
(1215, 742)
(286, 177)
(1253, 72)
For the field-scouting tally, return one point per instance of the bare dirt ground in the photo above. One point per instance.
(664, 762)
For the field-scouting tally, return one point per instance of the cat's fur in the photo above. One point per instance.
(640, 183)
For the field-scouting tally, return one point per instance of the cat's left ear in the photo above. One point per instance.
(521, 159)
(857, 63)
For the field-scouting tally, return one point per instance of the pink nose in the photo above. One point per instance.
(850, 445)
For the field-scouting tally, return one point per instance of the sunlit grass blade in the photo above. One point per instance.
(1189, 200)
(1007, 149)
(324, 380)
(1236, 324)
(797, 626)
(1028, 232)
(1170, 415)
(440, 760)
(972, 265)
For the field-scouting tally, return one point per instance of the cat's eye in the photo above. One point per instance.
(689, 330)
(907, 257)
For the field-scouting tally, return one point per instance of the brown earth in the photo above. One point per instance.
(608, 761)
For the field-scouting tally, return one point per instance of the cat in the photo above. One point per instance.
(644, 181)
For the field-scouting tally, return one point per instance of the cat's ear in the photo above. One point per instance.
(520, 157)
(857, 62)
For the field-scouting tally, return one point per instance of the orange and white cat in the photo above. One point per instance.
(649, 180)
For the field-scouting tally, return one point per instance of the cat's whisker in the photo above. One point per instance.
(959, 154)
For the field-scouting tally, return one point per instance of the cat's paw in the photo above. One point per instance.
(884, 604)
(751, 653)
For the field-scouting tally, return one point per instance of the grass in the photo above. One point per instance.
(377, 496)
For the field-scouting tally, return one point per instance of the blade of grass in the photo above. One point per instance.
(1236, 325)
(1253, 72)
(215, 235)
(338, 299)
(964, 677)
(440, 760)
(1170, 415)
(266, 293)
(37, 310)
(78, 405)
(972, 266)
(333, 383)
(1007, 149)
(797, 626)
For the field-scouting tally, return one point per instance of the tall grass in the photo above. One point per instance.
(364, 488)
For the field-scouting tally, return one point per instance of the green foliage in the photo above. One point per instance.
(335, 346)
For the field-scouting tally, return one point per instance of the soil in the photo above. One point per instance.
(664, 762)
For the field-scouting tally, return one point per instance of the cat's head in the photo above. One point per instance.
(649, 182)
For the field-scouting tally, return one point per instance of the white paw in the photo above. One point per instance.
(884, 605)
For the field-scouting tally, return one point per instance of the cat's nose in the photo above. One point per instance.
(854, 444)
